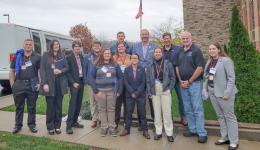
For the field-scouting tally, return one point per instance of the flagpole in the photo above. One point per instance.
(141, 23)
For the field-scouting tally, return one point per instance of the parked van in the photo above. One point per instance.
(12, 37)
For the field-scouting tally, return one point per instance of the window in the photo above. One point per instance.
(37, 42)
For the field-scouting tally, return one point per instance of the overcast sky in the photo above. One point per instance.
(104, 17)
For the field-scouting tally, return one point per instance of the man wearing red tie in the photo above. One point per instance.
(76, 83)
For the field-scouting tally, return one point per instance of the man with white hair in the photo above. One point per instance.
(189, 69)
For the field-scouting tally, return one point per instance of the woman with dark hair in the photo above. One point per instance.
(134, 82)
(54, 85)
(105, 78)
(123, 60)
(160, 79)
(220, 87)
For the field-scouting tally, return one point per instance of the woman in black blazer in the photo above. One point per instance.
(54, 85)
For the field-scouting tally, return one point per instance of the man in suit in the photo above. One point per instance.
(76, 83)
(170, 52)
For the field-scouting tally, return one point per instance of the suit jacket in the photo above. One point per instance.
(73, 72)
(148, 59)
(224, 79)
(135, 86)
(48, 77)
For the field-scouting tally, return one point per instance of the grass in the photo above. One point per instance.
(9, 141)
(41, 104)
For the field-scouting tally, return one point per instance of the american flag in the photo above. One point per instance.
(140, 11)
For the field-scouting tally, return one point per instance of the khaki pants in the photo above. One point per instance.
(93, 105)
(106, 108)
(162, 103)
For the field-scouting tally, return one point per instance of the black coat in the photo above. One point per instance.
(48, 77)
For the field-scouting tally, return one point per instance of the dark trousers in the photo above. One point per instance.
(141, 102)
(178, 93)
(119, 102)
(54, 109)
(151, 110)
(75, 104)
(19, 100)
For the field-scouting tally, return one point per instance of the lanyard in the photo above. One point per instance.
(158, 70)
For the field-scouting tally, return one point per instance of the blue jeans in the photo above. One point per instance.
(193, 106)
(130, 104)
(180, 101)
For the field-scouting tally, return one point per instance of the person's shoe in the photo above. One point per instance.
(113, 132)
(157, 137)
(77, 125)
(58, 131)
(33, 129)
(16, 130)
(146, 135)
(69, 130)
(124, 133)
(103, 132)
(189, 134)
(94, 124)
(183, 121)
(221, 142)
(233, 146)
(51, 132)
(170, 138)
(202, 139)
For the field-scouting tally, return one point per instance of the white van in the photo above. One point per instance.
(12, 37)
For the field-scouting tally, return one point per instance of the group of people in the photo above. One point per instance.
(126, 75)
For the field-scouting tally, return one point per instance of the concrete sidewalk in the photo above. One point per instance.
(134, 141)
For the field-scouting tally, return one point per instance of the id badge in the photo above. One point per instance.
(211, 77)
(28, 63)
(122, 67)
(108, 74)
(212, 71)
(52, 66)
(23, 67)
(104, 69)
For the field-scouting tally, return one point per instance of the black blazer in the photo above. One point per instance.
(137, 85)
(48, 77)
(73, 72)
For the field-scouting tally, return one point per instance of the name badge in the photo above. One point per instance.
(211, 77)
(52, 66)
(212, 71)
(23, 67)
(104, 69)
(108, 74)
(122, 67)
(28, 63)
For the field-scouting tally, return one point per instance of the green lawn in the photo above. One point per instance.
(10, 141)
(41, 104)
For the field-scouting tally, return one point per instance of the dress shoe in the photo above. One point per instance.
(16, 130)
(94, 124)
(124, 133)
(233, 146)
(77, 125)
(58, 131)
(146, 135)
(33, 129)
(189, 134)
(170, 138)
(202, 139)
(51, 132)
(157, 136)
(69, 130)
(221, 142)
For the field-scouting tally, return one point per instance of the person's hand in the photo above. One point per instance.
(75, 85)
(185, 84)
(98, 94)
(37, 87)
(225, 97)
(46, 88)
(133, 95)
(56, 71)
(117, 94)
(150, 97)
